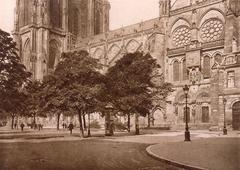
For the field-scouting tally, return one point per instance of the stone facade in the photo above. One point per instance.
(196, 42)
(44, 29)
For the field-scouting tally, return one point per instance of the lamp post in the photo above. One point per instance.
(187, 133)
(224, 117)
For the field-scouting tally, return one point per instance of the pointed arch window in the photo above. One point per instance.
(56, 13)
(218, 58)
(25, 12)
(176, 73)
(97, 22)
(27, 55)
(206, 67)
(54, 54)
(76, 22)
(184, 70)
(97, 17)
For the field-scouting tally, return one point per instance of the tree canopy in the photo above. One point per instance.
(130, 84)
(13, 76)
(74, 85)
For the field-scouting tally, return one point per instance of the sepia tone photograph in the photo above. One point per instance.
(119, 84)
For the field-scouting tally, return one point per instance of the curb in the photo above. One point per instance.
(172, 162)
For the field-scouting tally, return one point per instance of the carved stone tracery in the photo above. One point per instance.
(181, 36)
(211, 30)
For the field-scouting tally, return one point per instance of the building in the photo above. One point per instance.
(195, 41)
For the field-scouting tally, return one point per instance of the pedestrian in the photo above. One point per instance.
(22, 126)
(39, 126)
(15, 125)
(63, 125)
(70, 127)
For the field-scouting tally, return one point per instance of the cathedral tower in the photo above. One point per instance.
(43, 29)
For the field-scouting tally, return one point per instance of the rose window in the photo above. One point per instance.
(181, 36)
(211, 30)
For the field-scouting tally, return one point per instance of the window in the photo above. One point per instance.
(231, 79)
(188, 114)
(205, 114)
(218, 58)
(206, 67)
(185, 71)
(176, 71)
(27, 55)
(75, 22)
(54, 54)
(25, 12)
(56, 13)
(97, 17)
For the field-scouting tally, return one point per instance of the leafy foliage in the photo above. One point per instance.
(74, 86)
(130, 84)
(13, 76)
(12, 73)
(33, 90)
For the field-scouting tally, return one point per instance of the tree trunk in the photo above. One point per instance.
(80, 123)
(34, 119)
(84, 121)
(89, 131)
(137, 123)
(34, 122)
(149, 120)
(58, 120)
(12, 125)
(129, 122)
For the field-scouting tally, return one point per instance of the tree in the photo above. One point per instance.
(13, 75)
(75, 85)
(33, 91)
(52, 100)
(130, 85)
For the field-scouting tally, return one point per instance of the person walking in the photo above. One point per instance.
(15, 125)
(70, 127)
(64, 125)
(22, 126)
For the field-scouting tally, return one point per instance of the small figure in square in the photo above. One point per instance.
(22, 126)
(70, 127)
(15, 125)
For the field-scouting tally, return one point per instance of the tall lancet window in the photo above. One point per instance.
(76, 22)
(25, 12)
(54, 54)
(97, 17)
(176, 73)
(206, 67)
(184, 70)
(56, 9)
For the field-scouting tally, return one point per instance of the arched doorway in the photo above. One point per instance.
(236, 116)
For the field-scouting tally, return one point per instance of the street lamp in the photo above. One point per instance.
(187, 133)
(224, 117)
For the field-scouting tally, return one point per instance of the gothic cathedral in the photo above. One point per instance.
(196, 42)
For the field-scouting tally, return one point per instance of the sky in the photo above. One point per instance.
(122, 13)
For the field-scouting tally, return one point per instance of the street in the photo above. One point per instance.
(93, 154)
